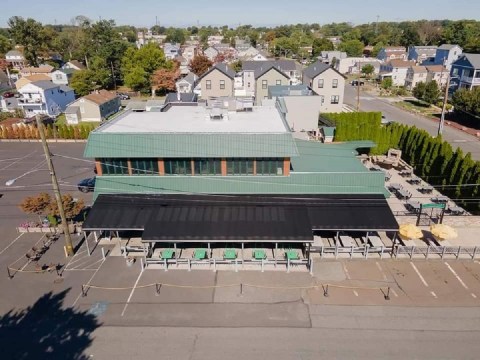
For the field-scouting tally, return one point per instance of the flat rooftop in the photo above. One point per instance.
(196, 119)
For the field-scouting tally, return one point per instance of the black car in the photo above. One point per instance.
(86, 185)
(123, 96)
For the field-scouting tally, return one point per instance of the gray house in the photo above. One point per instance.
(265, 77)
(465, 73)
(326, 82)
(93, 107)
(62, 76)
(186, 84)
(447, 54)
(218, 81)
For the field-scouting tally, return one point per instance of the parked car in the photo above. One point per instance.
(385, 121)
(123, 96)
(86, 185)
(8, 94)
(356, 83)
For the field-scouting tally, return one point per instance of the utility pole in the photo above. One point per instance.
(113, 76)
(444, 108)
(358, 88)
(56, 190)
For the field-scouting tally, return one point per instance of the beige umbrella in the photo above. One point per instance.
(410, 231)
(443, 232)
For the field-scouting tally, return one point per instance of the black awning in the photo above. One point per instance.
(246, 218)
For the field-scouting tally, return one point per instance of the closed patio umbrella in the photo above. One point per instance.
(443, 232)
(410, 231)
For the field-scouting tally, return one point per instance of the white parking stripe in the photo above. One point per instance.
(473, 295)
(419, 275)
(433, 294)
(455, 274)
(381, 270)
(13, 242)
(131, 293)
(346, 271)
(394, 292)
(356, 293)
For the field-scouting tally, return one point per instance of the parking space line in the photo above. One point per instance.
(473, 295)
(131, 292)
(355, 292)
(13, 242)
(433, 294)
(419, 275)
(456, 275)
(381, 270)
(88, 282)
(394, 292)
(346, 271)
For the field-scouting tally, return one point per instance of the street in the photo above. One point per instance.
(455, 137)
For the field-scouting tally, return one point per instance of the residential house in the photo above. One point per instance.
(265, 76)
(248, 54)
(184, 68)
(392, 53)
(214, 40)
(286, 66)
(171, 50)
(223, 174)
(358, 66)
(183, 98)
(16, 59)
(415, 74)
(242, 45)
(211, 53)
(217, 82)
(74, 64)
(29, 79)
(343, 66)
(261, 56)
(189, 52)
(45, 97)
(32, 70)
(438, 73)
(97, 106)
(326, 82)
(465, 72)
(396, 70)
(62, 76)
(329, 57)
(144, 38)
(186, 84)
(421, 54)
(447, 54)
(336, 40)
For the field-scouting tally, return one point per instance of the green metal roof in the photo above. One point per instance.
(197, 145)
(329, 157)
(304, 183)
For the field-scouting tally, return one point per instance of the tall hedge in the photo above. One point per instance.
(455, 173)
(63, 131)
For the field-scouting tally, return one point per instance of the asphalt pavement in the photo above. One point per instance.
(457, 138)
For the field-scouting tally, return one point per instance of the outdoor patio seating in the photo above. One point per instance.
(415, 180)
(413, 206)
(439, 199)
(456, 210)
(230, 254)
(199, 254)
(403, 194)
(259, 254)
(167, 254)
(426, 189)
(291, 255)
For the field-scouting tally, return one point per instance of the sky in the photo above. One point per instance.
(142, 13)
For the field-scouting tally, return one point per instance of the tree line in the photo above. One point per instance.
(451, 171)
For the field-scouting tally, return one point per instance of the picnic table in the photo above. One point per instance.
(426, 189)
(456, 210)
(259, 254)
(413, 205)
(395, 186)
(405, 173)
(167, 254)
(440, 199)
(403, 194)
(200, 254)
(415, 180)
(291, 255)
(230, 254)
(347, 241)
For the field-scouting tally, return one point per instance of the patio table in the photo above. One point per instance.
(395, 186)
(291, 255)
(440, 199)
(259, 254)
(200, 254)
(347, 241)
(456, 210)
(426, 189)
(167, 254)
(402, 194)
(230, 254)
(415, 180)
(413, 205)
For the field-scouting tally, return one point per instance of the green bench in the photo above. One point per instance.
(200, 254)
(259, 254)
(167, 254)
(230, 254)
(291, 255)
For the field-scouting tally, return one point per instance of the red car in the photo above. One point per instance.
(8, 94)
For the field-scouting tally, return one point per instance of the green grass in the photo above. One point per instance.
(417, 106)
(61, 119)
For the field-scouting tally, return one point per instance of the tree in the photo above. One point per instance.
(368, 70)
(432, 92)
(5, 45)
(387, 83)
(200, 64)
(30, 34)
(164, 79)
(320, 45)
(82, 82)
(175, 35)
(419, 90)
(410, 36)
(36, 204)
(467, 101)
(137, 79)
(352, 47)
(72, 207)
(237, 66)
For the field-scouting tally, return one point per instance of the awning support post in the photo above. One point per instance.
(236, 265)
(311, 266)
(189, 265)
(214, 265)
(96, 236)
(262, 265)
(242, 254)
(288, 265)
(86, 242)
(165, 264)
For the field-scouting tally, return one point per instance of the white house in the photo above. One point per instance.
(447, 54)
(16, 59)
(45, 97)
(187, 84)
(171, 50)
(343, 66)
(396, 70)
(62, 76)
(211, 53)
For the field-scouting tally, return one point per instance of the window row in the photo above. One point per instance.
(183, 166)
(322, 81)
(208, 84)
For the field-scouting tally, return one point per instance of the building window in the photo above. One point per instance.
(222, 84)
(208, 84)
(322, 99)
(269, 166)
(114, 167)
(144, 166)
(207, 167)
(335, 99)
(320, 83)
(58, 76)
(239, 166)
(178, 166)
(335, 83)
(264, 84)
(278, 82)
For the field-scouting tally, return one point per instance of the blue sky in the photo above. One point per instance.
(232, 13)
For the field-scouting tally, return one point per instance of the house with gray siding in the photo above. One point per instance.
(218, 81)
(97, 106)
(265, 77)
(465, 73)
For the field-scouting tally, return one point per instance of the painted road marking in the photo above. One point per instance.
(13, 242)
(419, 275)
(346, 271)
(473, 295)
(456, 275)
(433, 294)
(131, 292)
(394, 292)
(356, 293)
(381, 270)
